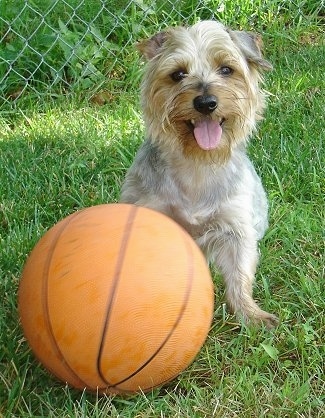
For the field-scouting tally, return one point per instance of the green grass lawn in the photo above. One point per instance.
(66, 156)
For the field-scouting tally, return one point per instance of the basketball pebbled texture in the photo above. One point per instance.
(116, 298)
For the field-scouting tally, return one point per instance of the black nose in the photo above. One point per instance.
(205, 104)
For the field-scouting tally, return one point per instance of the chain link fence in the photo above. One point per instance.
(55, 47)
(60, 46)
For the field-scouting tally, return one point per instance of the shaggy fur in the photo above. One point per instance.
(201, 99)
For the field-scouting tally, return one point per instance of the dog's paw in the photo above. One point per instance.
(263, 317)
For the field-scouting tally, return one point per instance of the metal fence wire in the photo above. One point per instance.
(59, 46)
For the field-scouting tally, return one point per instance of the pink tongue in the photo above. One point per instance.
(207, 134)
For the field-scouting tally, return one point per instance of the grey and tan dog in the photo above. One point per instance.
(201, 100)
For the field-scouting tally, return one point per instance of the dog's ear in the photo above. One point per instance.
(149, 48)
(251, 45)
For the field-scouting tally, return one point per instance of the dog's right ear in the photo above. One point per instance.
(251, 45)
(149, 48)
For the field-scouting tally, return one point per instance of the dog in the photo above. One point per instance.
(201, 100)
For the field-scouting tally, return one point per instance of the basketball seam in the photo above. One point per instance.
(177, 321)
(47, 319)
(116, 277)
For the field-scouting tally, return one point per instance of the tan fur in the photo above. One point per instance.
(213, 192)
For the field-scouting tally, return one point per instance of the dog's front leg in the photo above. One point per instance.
(236, 255)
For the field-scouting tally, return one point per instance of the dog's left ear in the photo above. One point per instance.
(251, 45)
(149, 48)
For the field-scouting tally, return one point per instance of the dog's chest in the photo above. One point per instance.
(202, 190)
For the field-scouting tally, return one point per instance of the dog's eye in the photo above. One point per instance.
(226, 71)
(178, 75)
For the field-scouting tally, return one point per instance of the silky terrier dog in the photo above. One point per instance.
(201, 98)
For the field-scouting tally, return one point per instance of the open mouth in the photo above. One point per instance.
(207, 132)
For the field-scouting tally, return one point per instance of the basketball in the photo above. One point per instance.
(116, 299)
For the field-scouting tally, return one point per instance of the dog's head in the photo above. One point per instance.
(200, 91)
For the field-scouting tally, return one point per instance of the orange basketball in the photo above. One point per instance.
(116, 298)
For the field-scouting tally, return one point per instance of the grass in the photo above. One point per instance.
(65, 155)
